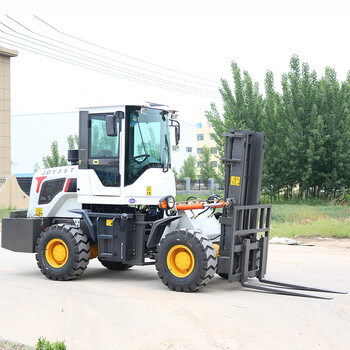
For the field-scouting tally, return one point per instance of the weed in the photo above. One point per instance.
(44, 344)
(5, 213)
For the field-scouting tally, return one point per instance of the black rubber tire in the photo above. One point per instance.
(78, 252)
(205, 261)
(115, 265)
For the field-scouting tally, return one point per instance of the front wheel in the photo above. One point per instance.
(186, 260)
(62, 252)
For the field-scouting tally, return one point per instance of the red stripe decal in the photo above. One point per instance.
(40, 180)
(67, 185)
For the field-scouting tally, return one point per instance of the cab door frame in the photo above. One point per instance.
(89, 183)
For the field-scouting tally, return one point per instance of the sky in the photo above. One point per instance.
(169, 52)
(198, 38)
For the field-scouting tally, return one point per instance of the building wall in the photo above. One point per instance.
(203, 138)
(5, 111)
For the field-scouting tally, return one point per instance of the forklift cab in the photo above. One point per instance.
(119, 145)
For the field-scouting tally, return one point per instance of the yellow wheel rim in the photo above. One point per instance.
(56, 253)
(217, 249)
(180, 261)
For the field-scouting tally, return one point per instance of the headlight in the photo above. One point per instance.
(167, 202)
(171, 202)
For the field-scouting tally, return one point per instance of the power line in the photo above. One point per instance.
(150, 80)
(101, 63)
(72, 62)
(111, 59)
(121, 54)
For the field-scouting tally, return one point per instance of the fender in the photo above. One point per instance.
(84, 213)
(157, 230)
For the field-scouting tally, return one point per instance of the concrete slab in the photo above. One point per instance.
(134, 310)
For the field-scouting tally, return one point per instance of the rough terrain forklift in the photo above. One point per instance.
(116, 203)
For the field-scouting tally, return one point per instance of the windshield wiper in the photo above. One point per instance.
(143, 143)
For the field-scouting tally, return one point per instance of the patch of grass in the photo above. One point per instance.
(181, 197)
(297, 201)
(298, 213)
(5, 213)
(310, 218)
(290, 220)
(44, 344)
(324, 227)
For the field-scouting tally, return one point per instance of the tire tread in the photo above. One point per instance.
(80, 250)
(208, 261)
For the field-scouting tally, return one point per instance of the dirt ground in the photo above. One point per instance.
(6, 345)
(134, 310)
(343, 244)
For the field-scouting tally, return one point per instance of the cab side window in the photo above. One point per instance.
(50, 189)
(102, 145)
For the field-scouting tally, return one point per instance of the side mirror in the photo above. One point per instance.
(177, 134)
(111, 123)
(177, 130)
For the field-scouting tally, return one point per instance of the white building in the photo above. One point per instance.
(32, 135)
(186, 146)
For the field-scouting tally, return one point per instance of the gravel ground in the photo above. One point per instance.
(7, 345)
(133, 309)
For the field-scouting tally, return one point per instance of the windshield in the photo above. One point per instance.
(147, 141)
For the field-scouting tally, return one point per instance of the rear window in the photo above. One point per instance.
(50, 189)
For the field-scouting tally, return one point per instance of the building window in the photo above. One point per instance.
(214, 164)
(200, 137)
(211, 137)
(199, 151)
(189, 149)
(213, 150)
(199, 164)
(175, 148)
(199, 125)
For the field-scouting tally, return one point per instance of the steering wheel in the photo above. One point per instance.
(144, 156)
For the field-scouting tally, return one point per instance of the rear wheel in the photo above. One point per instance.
(115, 265)
(62, 252)
(186, 260)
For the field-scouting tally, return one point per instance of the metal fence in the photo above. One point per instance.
(198, 185)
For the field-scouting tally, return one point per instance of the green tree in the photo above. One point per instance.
(273, 124)
(73, 141)
(207, 170)
(54, 160)
(176, 174)
(243, 109)
(189, 168)
(307, 128)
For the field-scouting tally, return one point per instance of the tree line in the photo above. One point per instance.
(307, 128)
(54, 159)
(189, 167)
